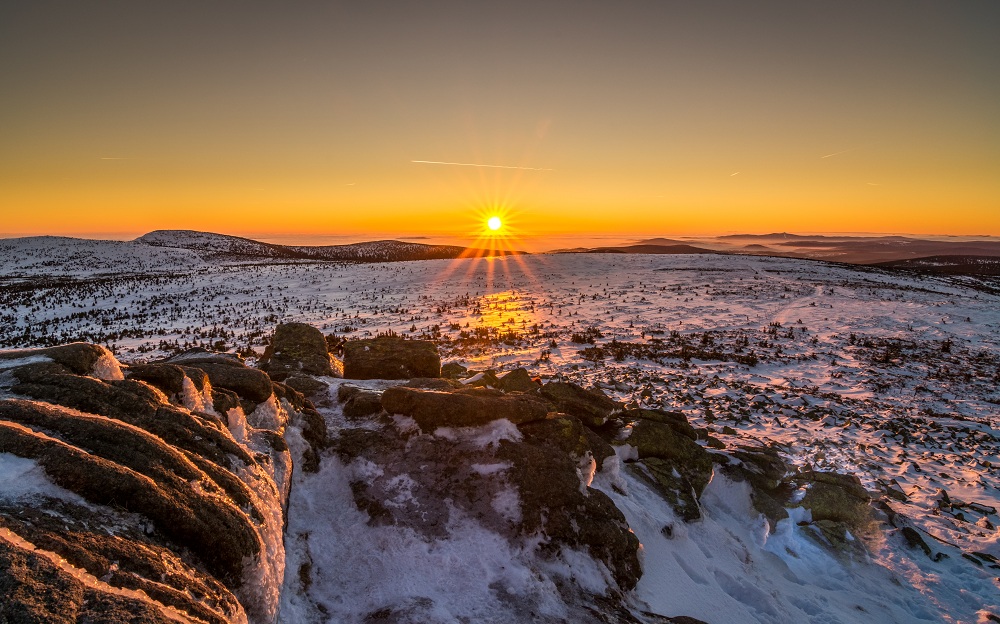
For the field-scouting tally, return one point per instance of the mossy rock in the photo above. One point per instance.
(363, 403)
(567, 434)
(653, 439)
(836, 497)
(674, 486)
(454, 370)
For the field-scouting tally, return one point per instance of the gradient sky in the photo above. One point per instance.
(659, 117)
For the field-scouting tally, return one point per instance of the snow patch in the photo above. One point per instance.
(22, 477)
(482, 437)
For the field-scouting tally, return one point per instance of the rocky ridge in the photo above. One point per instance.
(162, 488)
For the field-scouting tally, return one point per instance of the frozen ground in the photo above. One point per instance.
(891, 377)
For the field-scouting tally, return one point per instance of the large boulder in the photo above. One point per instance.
(517, 380)
(592, 407)
(252, 385)
(296, 348)
(469, 407)
(80, 358)
(390, 357)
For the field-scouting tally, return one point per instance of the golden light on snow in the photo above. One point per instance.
(494, 223)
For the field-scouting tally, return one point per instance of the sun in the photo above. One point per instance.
(494, 223)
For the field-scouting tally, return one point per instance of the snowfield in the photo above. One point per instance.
(890, 376)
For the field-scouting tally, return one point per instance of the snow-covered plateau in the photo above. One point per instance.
(890, 377)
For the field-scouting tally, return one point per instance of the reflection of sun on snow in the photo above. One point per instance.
(504, 311)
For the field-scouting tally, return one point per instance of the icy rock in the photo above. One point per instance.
(463, 408)
(390, 357)
(657, 440)
(183, 385)
(521, 486)
(37, 589)
(202, 530)
(79, 357)
(284, 392)
(592, 407)
(672, 462)
(296, 348)
(52, 544)
(188, 498)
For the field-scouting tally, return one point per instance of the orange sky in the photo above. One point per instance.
(633, 118)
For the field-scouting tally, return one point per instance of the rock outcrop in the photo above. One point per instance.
(470, 407)
(521, 484)
(135, 496)
(296, 348)
(159, 492)
(390, 357)
(592, 407)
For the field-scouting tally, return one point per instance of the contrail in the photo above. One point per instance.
(839, 153)
(439, 162)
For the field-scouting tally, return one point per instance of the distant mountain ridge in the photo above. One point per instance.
(679, 248)
(223, 246)
(167, 251)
